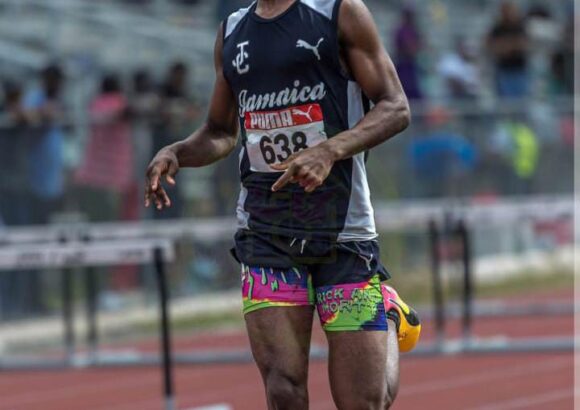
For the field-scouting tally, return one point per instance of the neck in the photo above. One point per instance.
(273, 3)
(272, 8)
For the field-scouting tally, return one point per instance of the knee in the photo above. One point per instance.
(375, 401)
(364, 402)
(286, 391)
(392, 391)
(390, 400)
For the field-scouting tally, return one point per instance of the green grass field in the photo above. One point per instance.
(418, 289)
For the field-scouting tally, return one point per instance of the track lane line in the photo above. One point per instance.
(220, 406)
(526, 402)
(466, 380)
(491, 375)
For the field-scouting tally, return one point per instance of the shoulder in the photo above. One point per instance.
(234, 19)
(328, 8)
(353, 8)
(354, 13)
(356, 24)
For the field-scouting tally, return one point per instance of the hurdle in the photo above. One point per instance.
(433, 215)
(88, 254)
(457, 229)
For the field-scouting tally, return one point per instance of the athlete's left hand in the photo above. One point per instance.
(309, 168)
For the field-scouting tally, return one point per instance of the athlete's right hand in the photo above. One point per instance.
(165, 164)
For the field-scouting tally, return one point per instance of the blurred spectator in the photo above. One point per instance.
(177, 108)
(11, 107)
(515, 142)
(440, 158)
(14, 151)
(46, 164)
(20, 291)
(539, 10)
(106, 174)
(460, 72)
(508, 44)
(408, 44)
(144, 103)
(563, 62)
(177, 112)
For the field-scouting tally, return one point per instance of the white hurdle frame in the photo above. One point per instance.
(84, 244)
(89, 254)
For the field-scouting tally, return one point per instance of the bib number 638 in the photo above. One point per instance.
(280, 147)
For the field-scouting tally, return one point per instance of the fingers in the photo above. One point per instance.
(287, 177)
(154, 191)
(158, 203)
(149, 193)
(147, 197)
(159, 198)
(303, 169)
(312, 187)
(308, 178)
(311, 183)
(151, 185)
(172, 170)
(164, 200)
(154, 178)
(154, 173)
(284, 165)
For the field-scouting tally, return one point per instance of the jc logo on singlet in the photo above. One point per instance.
(240, 62)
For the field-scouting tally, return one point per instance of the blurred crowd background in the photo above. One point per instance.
(491, 98)
(90, 90)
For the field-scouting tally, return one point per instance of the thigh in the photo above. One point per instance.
(280, 341)
(348, 292)
(363, 350)
(278, 308)
(265, 287)
(363, 368)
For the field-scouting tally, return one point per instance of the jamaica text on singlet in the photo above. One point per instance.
(285, 97)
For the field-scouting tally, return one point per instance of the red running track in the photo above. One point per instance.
(472, 382)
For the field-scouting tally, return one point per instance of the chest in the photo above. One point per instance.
(267, 55)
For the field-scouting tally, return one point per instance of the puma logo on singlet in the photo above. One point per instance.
(314, 49)
(306, 114)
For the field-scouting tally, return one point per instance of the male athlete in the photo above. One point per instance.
(298, 77)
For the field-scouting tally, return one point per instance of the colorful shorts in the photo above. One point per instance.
(343, 280)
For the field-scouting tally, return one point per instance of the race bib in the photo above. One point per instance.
(272, 136)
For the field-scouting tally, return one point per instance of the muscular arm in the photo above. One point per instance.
(374, 71)
(214, 140)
